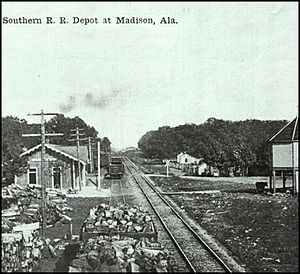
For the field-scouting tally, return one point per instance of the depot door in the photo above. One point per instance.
(56, 175)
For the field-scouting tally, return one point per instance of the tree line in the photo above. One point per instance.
(13, 144)
(221, 143)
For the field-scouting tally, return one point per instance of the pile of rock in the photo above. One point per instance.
(123, 220)
(122, 254)
(20, 223)
(22, 249)
(15, 193)
(23, 205)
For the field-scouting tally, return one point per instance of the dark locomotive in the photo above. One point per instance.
(116, 167)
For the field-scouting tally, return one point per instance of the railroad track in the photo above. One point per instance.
(196, 253)
(117, 193)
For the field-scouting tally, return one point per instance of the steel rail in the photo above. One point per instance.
(195, 234)
(190, 265)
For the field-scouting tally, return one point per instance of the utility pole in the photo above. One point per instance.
(91, 150)
(98, 177)
(43, 173)
(77, 149)
(97, 152)
(91, 156)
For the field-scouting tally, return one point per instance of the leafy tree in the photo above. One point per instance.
(62, 124)
(105, 145)
(221, 143)
(13, 144)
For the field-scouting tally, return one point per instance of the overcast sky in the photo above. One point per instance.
(232, 61)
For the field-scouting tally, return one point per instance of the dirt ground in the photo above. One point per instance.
(259, 229)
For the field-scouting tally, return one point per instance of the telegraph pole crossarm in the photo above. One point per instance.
(46, 134)
(79, 134)
(75, 129)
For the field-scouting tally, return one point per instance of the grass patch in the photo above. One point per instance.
(184, 184)
(261, 230)
(154, 169)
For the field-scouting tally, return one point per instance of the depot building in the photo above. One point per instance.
(284, 158)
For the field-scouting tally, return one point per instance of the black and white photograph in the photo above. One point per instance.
(149, 137)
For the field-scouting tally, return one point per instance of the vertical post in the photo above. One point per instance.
(98, 181)
(83, 176)
(271, 178)
(294, 179)
(274, 181)
(70, 230)
(73, 175)
(283, 180)
(52, 178)
(79, 171)
(167, 164)
(91, 158)
(43, 177)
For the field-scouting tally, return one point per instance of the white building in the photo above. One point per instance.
(284, 157)
(186, 159)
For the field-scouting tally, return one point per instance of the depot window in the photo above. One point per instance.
(32, 175)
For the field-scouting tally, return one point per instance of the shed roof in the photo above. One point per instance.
(288, 133)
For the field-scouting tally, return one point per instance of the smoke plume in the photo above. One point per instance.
(89, 99)
(69, 105)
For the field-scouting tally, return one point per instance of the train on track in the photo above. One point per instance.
(116, 167)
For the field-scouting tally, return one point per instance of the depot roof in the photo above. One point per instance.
(69, 152)
(287, 133)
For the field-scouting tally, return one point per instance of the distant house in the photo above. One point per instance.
(61, 166)
(201, 169)
(284, 158)
(205, 169)
(186, 159)
(195, 166)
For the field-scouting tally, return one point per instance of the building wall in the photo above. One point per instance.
(202, 168)
(187, 159)
(179, 157)
(296, 153)
(285, 165)
(297, 181)
(51, 160)
(282, 155)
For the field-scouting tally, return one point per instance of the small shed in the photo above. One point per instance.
(61, 166)
(284, 158)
